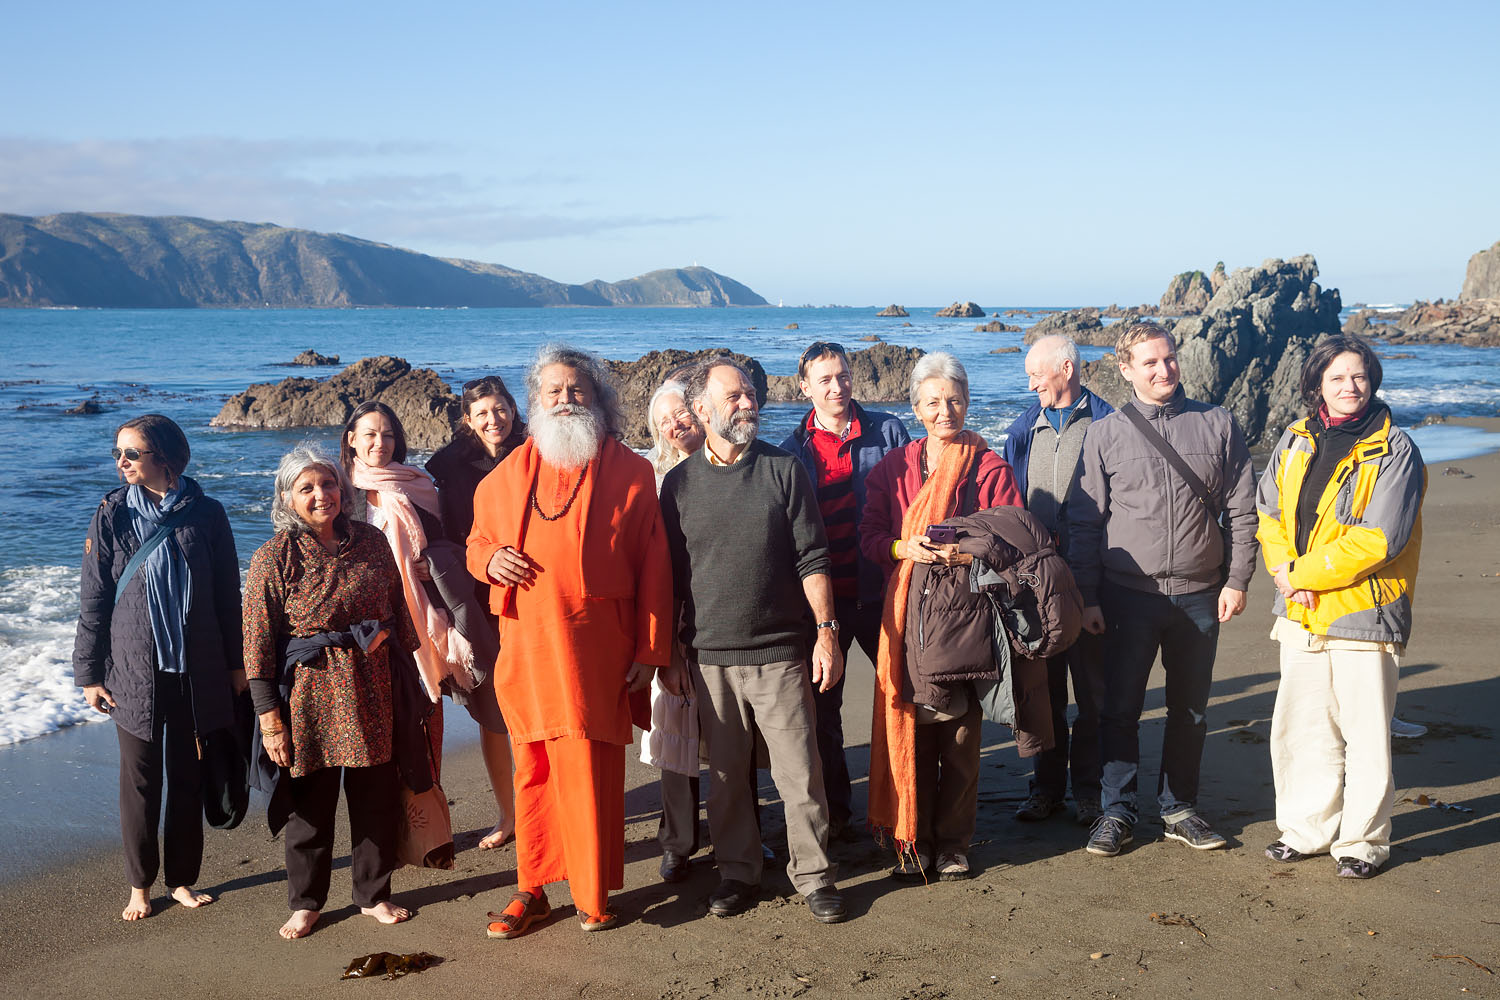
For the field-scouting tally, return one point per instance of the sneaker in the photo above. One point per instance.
(1196, 833)
(1110, 833)
(1087, 809)
(1355, 868)
(1279, 851)
(952, 867)
(1407, 730)
(1038, 807)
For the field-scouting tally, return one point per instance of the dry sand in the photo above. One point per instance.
(1041, 917)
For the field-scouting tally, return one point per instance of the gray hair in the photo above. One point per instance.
(1054, 349)
(696, 386)
(293, 464)
(663, 454)
(938, 364)
(606, 397)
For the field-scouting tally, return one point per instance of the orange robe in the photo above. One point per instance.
(602, 599)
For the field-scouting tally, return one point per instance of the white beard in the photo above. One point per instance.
(568, 436)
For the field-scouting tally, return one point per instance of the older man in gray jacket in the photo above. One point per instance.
(1160, 565)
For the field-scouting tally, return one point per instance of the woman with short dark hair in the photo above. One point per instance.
(1341, 530)
(158, 646)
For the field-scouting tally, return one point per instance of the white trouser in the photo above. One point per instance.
(1331, 751)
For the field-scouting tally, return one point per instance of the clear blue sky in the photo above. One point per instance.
(857, 153)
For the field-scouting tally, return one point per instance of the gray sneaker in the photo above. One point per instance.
(1038, 807)
(1108, 836)
(1196, 833)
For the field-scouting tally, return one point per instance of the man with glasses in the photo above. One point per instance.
(839, 442)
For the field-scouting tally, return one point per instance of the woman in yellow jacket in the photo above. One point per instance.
(1341, 529)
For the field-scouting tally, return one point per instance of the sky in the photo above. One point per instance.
(829, 153)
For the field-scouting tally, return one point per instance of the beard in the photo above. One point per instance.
(740, 428)
(567, 435)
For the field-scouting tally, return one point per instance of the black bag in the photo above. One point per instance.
(224, 756)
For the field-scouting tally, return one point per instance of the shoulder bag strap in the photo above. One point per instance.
(161, 534)
(968, 498)
(1173, 459)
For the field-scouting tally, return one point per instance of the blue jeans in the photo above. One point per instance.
(1185, 629)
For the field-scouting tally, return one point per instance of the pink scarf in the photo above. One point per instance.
(444, 651)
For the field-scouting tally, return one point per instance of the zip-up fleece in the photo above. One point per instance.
(1362, 553)
(1134, 521)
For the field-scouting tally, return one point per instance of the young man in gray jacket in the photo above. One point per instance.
(1159, 569)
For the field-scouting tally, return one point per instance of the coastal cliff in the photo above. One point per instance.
(105, 260)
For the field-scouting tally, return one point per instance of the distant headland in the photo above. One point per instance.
(106, 260)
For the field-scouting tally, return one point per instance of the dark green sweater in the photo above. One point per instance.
(743, 537)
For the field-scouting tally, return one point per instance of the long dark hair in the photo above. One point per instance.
(1322, 356)
(346, 450)
(165, 440)
(483, 388)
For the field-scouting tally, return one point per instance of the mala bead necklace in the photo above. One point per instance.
(565, 507)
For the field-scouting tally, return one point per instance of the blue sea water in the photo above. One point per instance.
(185, 363)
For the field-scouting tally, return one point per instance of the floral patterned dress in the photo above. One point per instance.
(340, 711)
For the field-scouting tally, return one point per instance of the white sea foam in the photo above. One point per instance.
(38, 612)
(1441, 398)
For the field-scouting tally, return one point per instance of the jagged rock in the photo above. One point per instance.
(995, 326)
(1018, 312)
(1127, 312)
(87, 407)
(881, 372)
(637, 380)
(873, 338)
(793, 326)
(1104, 378)
(1475, 323)
(966, 310)
(1187, 294)
(893, 310)
(1358, 323)
(312, 359)
(783, 389)
(1084, 326)
(1218, 277)
(427, 407)
(1006, 350)
(1482, 279)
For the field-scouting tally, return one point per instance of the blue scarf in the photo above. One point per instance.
(165, 571)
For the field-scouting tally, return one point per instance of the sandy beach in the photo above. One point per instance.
(1041, 917)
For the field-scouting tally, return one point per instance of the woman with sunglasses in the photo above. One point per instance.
(489, 428)
(158, 647)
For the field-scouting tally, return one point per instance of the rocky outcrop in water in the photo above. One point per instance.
(1187, 294)
(427, 407)
(965, 310)
(1083, 326)
(636, 381)
(313, 359)
(1482, 279)
(995, 326)
(1475, 323)
(893, 310)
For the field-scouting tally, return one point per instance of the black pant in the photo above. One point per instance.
(372, 796)
(678, 830)
(1084, 661)
(857, 620)
(173, 742)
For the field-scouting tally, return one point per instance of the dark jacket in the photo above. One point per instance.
(458, 467)
(879, 435)
(114, 647)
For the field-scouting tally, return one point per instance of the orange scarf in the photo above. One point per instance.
(893, 758)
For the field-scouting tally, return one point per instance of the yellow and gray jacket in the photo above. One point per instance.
(1361, 557)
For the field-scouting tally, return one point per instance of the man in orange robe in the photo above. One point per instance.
(568, 533)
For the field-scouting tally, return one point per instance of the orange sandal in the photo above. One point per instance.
(523, 910)
(603, 922)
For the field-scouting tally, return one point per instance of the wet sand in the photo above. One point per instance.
(1028, 924)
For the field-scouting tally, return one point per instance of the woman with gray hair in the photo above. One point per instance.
(675, 432)
(330, 717)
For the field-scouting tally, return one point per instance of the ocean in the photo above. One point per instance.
(185, 363)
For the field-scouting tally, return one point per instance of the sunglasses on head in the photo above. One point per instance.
(819, 348)
(131, 454)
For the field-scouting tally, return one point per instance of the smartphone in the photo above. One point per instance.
(942, 534)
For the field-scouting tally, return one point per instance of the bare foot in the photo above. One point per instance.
(190, 897)
(386, 912)
(502, 834)
(139, 907)
(299, 924)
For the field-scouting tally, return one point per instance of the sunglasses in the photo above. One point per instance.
(821, 347)
(131, 454)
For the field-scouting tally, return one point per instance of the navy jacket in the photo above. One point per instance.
(114, 647)
(1017, 447)
(879, 434)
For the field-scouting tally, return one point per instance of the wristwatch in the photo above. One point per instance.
(831, 624)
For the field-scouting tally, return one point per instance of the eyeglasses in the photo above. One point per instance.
(131, 454)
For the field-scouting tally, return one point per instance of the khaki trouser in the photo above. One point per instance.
(1331, 751)
(777, 699)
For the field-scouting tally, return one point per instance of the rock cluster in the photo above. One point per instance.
(1083, 326)
(1482, 279)
(427, 407)
(1475, 323)
(893, 310)
(636, 381)
(1187, 294)
(995, 326)
(313, 359)
(965, 310)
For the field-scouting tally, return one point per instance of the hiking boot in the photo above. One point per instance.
(1110, 833)
(1196, 833)
(1038, 807)
(1087, 808)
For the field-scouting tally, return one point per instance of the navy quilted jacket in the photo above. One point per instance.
(114, 646)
